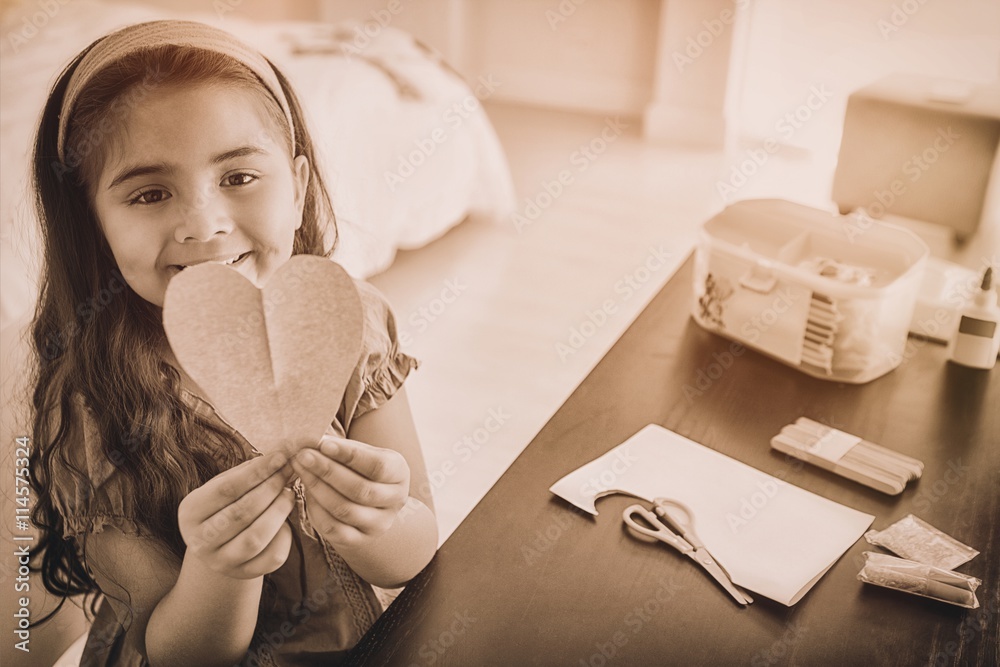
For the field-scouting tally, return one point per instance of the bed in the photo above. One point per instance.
(405, 145)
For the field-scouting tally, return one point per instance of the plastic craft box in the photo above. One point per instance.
(830, 295)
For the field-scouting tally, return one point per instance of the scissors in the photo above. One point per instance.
(672, 514)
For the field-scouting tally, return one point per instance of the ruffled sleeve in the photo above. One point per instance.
(382, 367)
(85, 488)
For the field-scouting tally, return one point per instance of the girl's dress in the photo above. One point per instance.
(322, 608)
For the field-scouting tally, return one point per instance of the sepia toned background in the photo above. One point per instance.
(589, 141)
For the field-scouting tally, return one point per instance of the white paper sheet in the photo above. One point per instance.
(772, 537)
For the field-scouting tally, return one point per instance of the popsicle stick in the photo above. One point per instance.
(877, 459)
(914, 465)
(884, 460)
(858, 456)
(870, 479)
(823, 336)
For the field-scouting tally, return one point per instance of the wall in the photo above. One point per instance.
(261, 10)
(587, 55)
(598, 55)
(843, 45)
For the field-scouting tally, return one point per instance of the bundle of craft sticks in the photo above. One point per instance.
(848, 455)
(821, 331)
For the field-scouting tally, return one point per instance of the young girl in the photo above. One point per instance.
(163, 145)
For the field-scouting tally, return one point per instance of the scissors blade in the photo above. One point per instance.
(703, 558)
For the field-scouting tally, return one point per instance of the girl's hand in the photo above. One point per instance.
(235, 522)
(354, 490)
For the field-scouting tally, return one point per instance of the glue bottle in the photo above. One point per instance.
(977, 340)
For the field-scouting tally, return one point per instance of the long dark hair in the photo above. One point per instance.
(97, 344)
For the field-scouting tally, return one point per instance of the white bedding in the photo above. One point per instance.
(369, 111)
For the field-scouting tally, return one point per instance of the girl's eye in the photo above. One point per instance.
(241, 178)
(147, 197)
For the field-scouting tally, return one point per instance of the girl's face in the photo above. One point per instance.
(202, 175)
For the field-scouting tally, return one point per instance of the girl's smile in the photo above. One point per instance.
(175, 192)
(235, 260)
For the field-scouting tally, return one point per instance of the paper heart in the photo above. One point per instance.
(274, 362)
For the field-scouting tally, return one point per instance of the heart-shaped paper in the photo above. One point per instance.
(274, 362)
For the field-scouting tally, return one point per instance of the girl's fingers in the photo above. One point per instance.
(255, 538)
(272, 557)
(229, 521)
(333, 529)
(331, 508)
(337, 533)
(228, 487)
(235, 518)
(375, 463)
(313, 466)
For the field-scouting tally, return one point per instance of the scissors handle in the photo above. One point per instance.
(654, 529)
(678, 517)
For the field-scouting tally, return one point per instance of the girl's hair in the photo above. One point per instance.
(97, 344)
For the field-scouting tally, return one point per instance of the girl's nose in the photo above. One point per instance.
(204, 218)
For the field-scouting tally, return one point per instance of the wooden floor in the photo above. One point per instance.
(508, 317)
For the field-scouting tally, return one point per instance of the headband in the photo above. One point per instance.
(134, 38)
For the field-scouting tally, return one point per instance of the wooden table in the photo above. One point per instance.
(528, 580)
